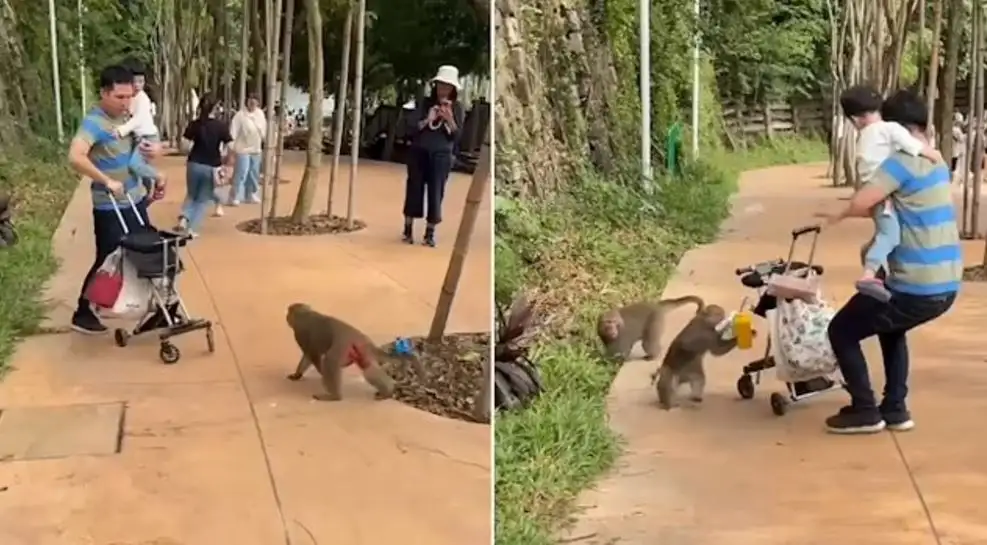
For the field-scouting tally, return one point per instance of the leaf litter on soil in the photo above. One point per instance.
(319, 224)
(453, 369)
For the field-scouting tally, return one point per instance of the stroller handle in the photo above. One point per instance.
(796, 233)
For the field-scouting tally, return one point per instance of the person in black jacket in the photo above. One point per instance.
(435, 127)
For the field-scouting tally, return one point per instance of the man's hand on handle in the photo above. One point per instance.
(113, 186)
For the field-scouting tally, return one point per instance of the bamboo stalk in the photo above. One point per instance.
(357, 118)
(339, 115)
(285, 65)
(272, 27)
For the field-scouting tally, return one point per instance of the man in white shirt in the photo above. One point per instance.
(248, 128)
(141, 125)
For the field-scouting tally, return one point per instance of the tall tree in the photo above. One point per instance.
(316, 91)
(283, 117)
(339, 113)
(361, 29)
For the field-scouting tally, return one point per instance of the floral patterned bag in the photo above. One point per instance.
(802, 340)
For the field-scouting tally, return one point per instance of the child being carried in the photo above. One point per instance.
(141, 125)
(877, 140)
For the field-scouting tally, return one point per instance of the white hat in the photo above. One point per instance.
(447, 73)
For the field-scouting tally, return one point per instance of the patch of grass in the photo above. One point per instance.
(600, 243)
(41, 184)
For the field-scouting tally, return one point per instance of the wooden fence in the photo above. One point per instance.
(776, 119)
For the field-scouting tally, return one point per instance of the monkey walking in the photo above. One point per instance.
(330, 344)
(683, 363)
(621, 328)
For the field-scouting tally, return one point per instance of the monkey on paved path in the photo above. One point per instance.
(684, 360)
(330, 344)
(621, 328)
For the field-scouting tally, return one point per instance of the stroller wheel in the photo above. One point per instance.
(745, 387)
(121, 336)
(210, 341)
(779, 405)
(169, 353)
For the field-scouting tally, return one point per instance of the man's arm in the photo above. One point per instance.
(79, 148)
(885, 181)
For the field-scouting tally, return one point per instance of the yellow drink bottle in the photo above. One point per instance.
(743, 329)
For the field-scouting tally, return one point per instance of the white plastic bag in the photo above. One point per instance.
(135, 295)
(802, 348)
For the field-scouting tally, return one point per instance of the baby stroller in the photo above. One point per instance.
(757, 277)
(154, 257)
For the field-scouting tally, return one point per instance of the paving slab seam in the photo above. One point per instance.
(250, 404)
(918, 490)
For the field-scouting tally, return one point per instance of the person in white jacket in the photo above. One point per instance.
(248, 129)
(141, 125)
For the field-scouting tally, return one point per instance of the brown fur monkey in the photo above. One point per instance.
(330, 344)
(621, 328)
(684, 360)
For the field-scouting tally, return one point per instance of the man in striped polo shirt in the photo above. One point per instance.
(923, 274)
(99, 153)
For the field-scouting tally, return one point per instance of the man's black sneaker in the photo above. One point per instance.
(850, 420)
(898, 419)
(87, 323)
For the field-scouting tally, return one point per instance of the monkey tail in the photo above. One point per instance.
(680, 301)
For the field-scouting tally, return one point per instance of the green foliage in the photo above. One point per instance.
(406, 40)
(37, 178)
(767, 49)
(600, 243)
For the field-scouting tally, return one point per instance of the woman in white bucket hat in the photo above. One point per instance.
(435, 128)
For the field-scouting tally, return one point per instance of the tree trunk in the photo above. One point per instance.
(948, 86)
(273, 27)
(285, 64)
(317, 92)
(245, 53)
(920, 45)
(339, 115)
(977, 73)
(933, 75)
(474, 196)
(361, 20)
(259, 47)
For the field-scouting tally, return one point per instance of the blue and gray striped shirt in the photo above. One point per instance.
(929, 260)
(111, 155)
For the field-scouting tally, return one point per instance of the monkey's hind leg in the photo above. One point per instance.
(303, 365)
(377, 377)
(697, 384)
(332, 376)
(651, 341)
(666, 386)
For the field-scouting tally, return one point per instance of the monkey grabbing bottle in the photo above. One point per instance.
(743, 329)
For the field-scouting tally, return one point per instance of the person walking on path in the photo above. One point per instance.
(100, 153)
(435, 127)
(248, 128)
(923, 274)
(205, 161)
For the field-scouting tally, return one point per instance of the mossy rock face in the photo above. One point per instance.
(319, 224)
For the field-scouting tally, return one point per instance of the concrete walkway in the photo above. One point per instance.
(221, 449)
(732, 473)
